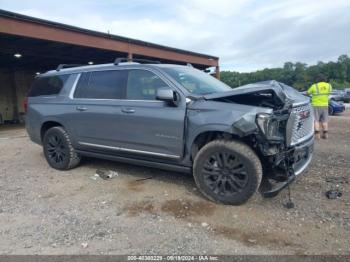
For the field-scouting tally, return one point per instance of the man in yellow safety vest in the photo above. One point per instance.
(319, 98)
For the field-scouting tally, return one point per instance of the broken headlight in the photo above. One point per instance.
(269, 126)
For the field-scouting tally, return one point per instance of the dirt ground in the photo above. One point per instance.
(148, 211)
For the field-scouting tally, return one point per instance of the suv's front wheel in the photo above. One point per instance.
(58, 149)
(227, 171)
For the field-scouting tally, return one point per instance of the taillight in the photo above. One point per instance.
(25, 105)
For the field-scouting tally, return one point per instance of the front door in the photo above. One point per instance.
(117, 111)
(150, 125)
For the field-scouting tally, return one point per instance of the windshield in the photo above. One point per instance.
(196, 82)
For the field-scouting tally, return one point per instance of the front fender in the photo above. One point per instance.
(213, 116)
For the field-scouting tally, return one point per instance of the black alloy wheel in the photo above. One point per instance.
(224, 173)
(58, 149)
(227, 171)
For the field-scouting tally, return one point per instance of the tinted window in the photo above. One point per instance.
(44, 86)
(142, 85)
(81, 88)
(102, 85)
(195, 81)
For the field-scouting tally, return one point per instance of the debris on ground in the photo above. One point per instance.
(251, 240)
(289, 205)
(84, 245)
(95, 177)
(106, 174)
(333, 194)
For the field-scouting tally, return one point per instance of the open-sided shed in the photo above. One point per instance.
(30, 45)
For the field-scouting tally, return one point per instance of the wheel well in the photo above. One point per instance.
(206, 137)
(46, 126)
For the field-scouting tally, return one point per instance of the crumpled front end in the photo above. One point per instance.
(300, 136)
(281, 133)
(284, 136)
(289, 152)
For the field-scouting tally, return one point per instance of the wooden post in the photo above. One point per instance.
(217, 72)
(129, 57)
(14, 96)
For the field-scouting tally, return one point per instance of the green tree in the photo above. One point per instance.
(299, 75)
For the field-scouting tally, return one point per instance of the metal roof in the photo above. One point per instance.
(17, 16)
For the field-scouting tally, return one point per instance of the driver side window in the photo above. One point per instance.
(143, 85)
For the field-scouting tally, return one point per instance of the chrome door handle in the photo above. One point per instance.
(81, 108)
(128, 110)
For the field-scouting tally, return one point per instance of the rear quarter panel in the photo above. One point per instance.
(42, 109)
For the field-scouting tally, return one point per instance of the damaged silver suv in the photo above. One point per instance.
(177, 118)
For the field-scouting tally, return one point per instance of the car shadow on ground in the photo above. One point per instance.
(139, 173)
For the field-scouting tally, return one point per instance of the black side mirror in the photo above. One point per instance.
(168, 95)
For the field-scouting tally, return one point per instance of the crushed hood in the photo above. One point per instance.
(287, 94)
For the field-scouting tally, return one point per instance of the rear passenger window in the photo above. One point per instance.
(143, 85)
(102, 85)
(45, 86)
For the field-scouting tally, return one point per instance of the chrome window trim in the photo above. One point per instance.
(71, 94)
(127, 100)
(129, 150)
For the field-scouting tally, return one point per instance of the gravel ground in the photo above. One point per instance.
(148, 211)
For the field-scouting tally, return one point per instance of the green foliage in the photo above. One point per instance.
(298, 75)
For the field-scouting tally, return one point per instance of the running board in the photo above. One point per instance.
(139, 162)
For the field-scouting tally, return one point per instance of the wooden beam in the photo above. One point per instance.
(46, 32)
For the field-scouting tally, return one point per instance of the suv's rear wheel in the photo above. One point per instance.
(227, 171)
(58, 149)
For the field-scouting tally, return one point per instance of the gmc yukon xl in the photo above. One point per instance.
(176, 118)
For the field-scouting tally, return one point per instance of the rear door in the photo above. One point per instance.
(96, 108)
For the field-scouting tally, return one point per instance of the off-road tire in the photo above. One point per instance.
(70, 158)
(244, 154)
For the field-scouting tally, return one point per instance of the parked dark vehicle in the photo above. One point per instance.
(346, 97)
(337, 95)
(335, 107)
(176, 118)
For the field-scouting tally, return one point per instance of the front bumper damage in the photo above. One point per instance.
(303, 156)
(295, 161)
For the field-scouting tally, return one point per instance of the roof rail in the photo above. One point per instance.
(120, 60)
(62, 66)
